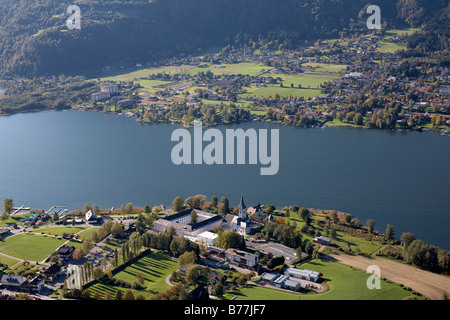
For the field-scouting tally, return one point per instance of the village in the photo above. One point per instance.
(360, 82)
(51, 275)
(195, 250)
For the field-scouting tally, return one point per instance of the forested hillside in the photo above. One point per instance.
(35, 41)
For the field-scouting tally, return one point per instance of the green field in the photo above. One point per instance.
(152, 83)
(154, 267)
(246, 68)
(344, 282)
(58, 231)
(326, 68)
(311, 80)
(271, 91)
(388, 47)
(33, 247)
(8, 261)
(338, 123)
(87, 233)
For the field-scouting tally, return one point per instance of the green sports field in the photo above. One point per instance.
(32, 247)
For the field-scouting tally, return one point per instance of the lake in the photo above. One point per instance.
(69, 158)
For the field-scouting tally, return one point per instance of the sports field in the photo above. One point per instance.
(32, 247)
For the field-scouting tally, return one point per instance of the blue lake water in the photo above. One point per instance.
(69, 158)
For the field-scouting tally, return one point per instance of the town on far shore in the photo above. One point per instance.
(200, 250)
(363, 80)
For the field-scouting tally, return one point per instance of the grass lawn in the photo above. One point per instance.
(58, 231)
(154, 267)
(345, 284)
(385, 47)
(246, 68)
(326, 67)
(31, 247)
(87, 233)
(8, 261)
(152, 83)
(131, 73)
(271, 91)
(338, 123)
(312, 80)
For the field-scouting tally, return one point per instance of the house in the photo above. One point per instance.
(199, 293)
(14, 282)
(305, 274)
(241, 258)
(322, 240)
(65, 252)
(91, 217)
(214, 277)
(52, 272)
(36, 283)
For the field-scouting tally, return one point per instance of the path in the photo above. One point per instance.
(429, 284)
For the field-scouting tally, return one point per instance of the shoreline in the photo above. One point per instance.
(322, 125)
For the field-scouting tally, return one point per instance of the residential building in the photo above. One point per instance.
(52, 272)
(36, 283)
(65, 252)
(91, 217)
(111, 89)
(241, 258)
(14, 282)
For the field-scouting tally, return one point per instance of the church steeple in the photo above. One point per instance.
(242, 209)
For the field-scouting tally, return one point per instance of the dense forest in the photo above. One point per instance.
(35, 41)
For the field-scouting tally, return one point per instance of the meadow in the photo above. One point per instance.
(285, 92)
(345, 283)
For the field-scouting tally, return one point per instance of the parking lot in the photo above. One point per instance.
(275, 248)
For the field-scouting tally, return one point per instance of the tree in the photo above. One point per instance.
(8, 206)
(334, 217)
(86, 294)
(128, 295)
(214, 201)
(347, 218)
(333, 233)
(129, 208)
(107, 295)
(407, 238)
(117, 230)
(76, 255)
(95, 209)
(178, 204)
(87, 207)
(187, 258)
(118, 295)
(390, 232)
(270, 208)
(194, 217)
(218, 290)
(303, 213)
(193, 274)
(370, 225)
(226, 204)
(147, 209)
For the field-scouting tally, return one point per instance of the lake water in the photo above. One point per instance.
(69, 158)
